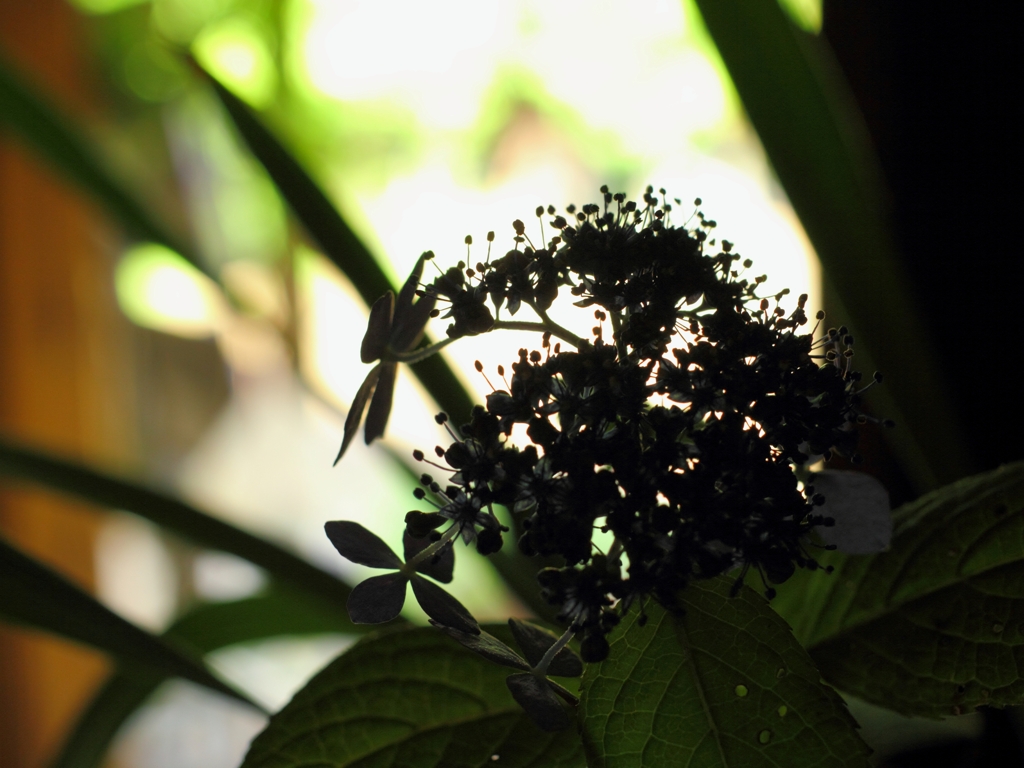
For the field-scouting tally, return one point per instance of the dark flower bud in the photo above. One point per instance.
(594, 648)
(421, 524)
(779, 568)
(458, 456)
(488, 541)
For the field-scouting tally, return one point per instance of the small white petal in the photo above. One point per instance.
(860, 506)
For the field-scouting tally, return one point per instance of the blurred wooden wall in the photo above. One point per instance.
(62, 366)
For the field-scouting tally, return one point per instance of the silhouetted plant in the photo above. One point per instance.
(680, 423)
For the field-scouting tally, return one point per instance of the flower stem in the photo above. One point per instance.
(620, 345)
(547, 326)
(556, 329)
(415, 356)
(432, 549)
(550, 653)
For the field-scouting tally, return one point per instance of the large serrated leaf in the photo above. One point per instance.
(934, 626)
(65, 476)
(410, 698)
(205, 628)
(724, 685)
(34, 595)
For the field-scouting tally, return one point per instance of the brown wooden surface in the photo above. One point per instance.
(61, 388)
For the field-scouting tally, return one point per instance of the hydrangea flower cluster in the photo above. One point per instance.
(676, 424)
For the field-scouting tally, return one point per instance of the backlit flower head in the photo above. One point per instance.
(679, 423)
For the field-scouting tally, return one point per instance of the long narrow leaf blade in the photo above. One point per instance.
(307, 201)
(53, 136)
(205, 628)
(171, 513)
(32, 594)
(817, 142)
(337, 240)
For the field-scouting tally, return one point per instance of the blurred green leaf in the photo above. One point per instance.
(32, 594)
(336, 239)
(41, 126)
(175, 515)
(414, 698)
(818, 144)
(723, 684)
(935, 625)
(205, 628)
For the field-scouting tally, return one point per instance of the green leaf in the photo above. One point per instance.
(934, 626)
(817, 141)
(53, 136)
(32, 594)
(725, 684)
(171, 513)
(336, 239)
(412, 698)
(206, 628)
